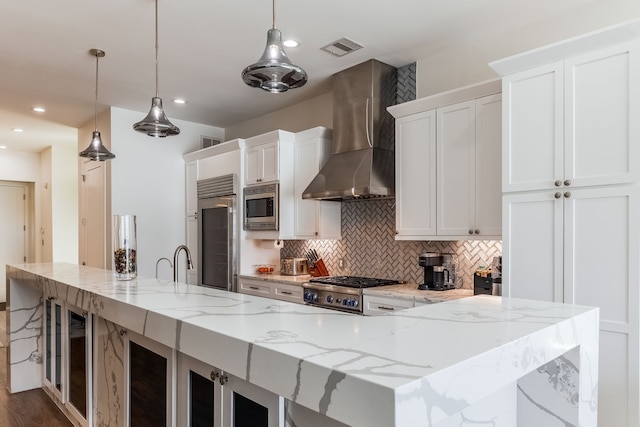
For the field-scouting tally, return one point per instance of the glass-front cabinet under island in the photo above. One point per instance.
(198, 356)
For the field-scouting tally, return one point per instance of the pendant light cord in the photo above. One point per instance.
(95, 105)
(274, 14)
(157, 80)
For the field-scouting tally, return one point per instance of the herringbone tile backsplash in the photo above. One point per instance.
(368, 247)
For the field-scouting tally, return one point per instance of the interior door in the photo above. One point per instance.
(13, 222)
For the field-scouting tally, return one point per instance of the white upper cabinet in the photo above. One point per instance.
(448, 165)
(314, 219)
(416, 175)
(570, 123)
(261, 163)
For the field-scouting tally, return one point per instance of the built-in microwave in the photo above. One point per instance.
(261, 207)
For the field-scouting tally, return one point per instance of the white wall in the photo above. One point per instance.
(148, 180)
(459, 65)
(64, 202)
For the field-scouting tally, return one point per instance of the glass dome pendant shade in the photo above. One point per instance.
(156, 122)
(96, 149)
(274, 72)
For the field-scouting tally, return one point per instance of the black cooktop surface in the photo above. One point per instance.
(353, 281)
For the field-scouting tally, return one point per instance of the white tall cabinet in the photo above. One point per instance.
(571, 212)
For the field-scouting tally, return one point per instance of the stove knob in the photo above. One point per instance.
(355, 303)
(310, 296)
(329, 299)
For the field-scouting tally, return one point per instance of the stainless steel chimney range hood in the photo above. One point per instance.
(362, 162)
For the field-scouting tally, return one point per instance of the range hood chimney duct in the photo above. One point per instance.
(362, 162)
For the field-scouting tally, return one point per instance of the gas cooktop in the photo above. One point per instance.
(353, 281)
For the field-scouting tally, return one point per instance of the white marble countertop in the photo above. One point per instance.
(411, 368)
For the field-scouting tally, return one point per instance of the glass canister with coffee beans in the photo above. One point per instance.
(124, 247)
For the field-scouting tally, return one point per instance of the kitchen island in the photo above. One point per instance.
(477, 361)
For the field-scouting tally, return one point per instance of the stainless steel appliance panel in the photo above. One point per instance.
(217, 236)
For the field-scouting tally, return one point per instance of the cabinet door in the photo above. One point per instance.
(192, 188)
(306, 167)
(246, 404)
(488, 184)
(456, 169)
(532, 129)
(78, 363)
(270, 162)
(150, 371)
(602, 238)
(199, 394)
(416, 176)
(532, 246)
(53, 325)
(252, 165)
(601, 126)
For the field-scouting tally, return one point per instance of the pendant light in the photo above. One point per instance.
(274, 72)
(96, 149)
(156, 123)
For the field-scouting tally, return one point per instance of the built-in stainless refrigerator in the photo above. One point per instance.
(217, 233)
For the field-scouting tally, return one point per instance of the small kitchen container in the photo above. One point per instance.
(293, 266)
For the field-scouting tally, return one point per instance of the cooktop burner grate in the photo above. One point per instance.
(353, 281)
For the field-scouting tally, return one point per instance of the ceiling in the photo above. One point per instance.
(203, 47)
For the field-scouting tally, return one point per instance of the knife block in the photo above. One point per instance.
(320, 270)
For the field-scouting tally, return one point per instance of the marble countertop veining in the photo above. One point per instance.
(393, 370)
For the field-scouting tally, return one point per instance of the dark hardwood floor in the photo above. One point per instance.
(29, 408)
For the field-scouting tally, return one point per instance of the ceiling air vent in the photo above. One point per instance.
(341, 47)
(208, 141)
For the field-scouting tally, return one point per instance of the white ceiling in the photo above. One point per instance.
(204, 45)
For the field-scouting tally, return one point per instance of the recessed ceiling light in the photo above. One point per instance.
(39, 109)
(17, 130)
(180, 101)
(2, 147)
(291, 43)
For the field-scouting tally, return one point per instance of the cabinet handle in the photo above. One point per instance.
(222, 378)
(255, 288)
(317, 233)
(557, 183)
(123, 332)
(85, 314)
(382, 307)
(477, 231)
(557, 195)
(470, 231)
(567, 194)
(286, 293)
(51, 298)
(397, 232)
(567, 182)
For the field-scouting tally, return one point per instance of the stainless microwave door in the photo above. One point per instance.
(216, 243)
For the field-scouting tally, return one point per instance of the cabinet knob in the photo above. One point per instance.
(317, 233)
(477, 231)
(567, 182)
(557, 195)
(470, 231)
(567, 194)
(397, 232)
(558, 183)
(123, 332)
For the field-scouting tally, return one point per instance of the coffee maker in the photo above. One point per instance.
(436, 276)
